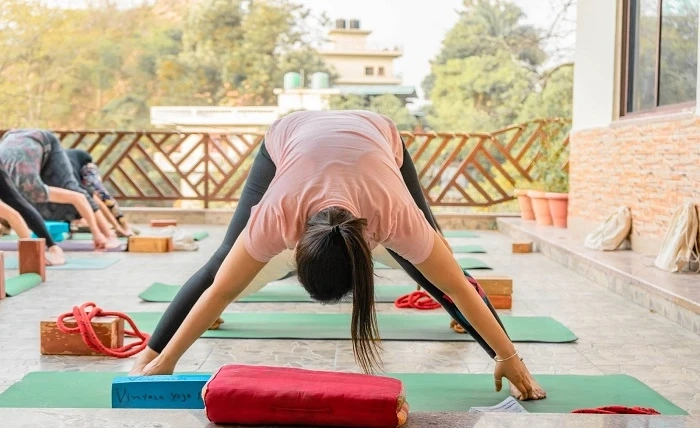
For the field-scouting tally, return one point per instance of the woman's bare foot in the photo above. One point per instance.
(454, 325)
(55, 256)
(216, 324)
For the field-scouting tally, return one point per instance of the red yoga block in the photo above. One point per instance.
(264, 395)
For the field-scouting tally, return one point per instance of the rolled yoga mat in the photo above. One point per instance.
(425, 392)
(21, 283)
(72, 263)
(159, 292)
(468, 263)
(392, 326)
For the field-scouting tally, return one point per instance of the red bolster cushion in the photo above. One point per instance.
(258, 395)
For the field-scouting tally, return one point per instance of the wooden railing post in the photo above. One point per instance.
(207, 161)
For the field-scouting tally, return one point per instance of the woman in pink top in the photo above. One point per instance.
(326, 188)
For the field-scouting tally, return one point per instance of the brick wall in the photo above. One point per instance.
(650, 167)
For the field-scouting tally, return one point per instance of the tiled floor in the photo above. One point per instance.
(615, 336)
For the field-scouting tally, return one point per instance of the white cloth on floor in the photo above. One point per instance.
(182, 241)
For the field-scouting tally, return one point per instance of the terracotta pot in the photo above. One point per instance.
(526, 212)
(540, 205)
(558, 207)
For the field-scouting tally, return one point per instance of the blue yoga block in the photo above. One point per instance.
(56, 230)
(158, 392)
(57, 227)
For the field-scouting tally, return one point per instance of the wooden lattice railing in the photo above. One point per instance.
(455, 169)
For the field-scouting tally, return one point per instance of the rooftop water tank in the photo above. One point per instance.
(292, 80)
(340, 24)
(320, 80)
(355, 24)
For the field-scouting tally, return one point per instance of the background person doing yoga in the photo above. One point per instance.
(88, 175)
(325, 188)
(23, 216)
(39, 168)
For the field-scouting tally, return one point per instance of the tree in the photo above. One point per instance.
(347, 102)
(104, 66)
(392, 107)
(554, 99)
(389, 105)
(478, 94)
(492, 70)
(485, 27)
(238, 51)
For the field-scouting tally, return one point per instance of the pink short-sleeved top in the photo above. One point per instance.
(349, 159)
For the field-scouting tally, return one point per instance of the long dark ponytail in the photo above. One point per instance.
(333, 259)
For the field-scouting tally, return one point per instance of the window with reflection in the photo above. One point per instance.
(661, 53)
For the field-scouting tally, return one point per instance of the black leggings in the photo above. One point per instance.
(58, 172)
(11, 196)
(259, 178)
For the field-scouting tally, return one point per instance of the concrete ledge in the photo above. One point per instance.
(447, 220)
(627, 273)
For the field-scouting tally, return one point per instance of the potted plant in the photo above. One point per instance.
(524, 201)
(558, 196)
(540, 205)
(550, 194)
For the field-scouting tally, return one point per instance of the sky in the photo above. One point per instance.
(419, 26)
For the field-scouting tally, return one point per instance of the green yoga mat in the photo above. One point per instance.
(425, 392)
(392, 326)
(159, 292)
(459, 234)
(21, 283)
(73, 263)
(471, 263)
(464, 262)
(468, 249)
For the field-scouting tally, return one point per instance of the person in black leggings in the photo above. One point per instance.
(37, 165)
(322, 230)
(22, 216)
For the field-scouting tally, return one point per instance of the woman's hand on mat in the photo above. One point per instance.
(522, 385)
(159, 366)
(144, 358)
(99, 240)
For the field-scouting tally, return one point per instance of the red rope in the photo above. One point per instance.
(83, 316)
(619, 410)
(417, 300)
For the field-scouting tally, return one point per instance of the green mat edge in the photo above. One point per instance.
(248, 299)
(668, 409)
(14, 265)
(568, 336)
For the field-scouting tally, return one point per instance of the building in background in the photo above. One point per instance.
(356, 61)
(362, 69)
